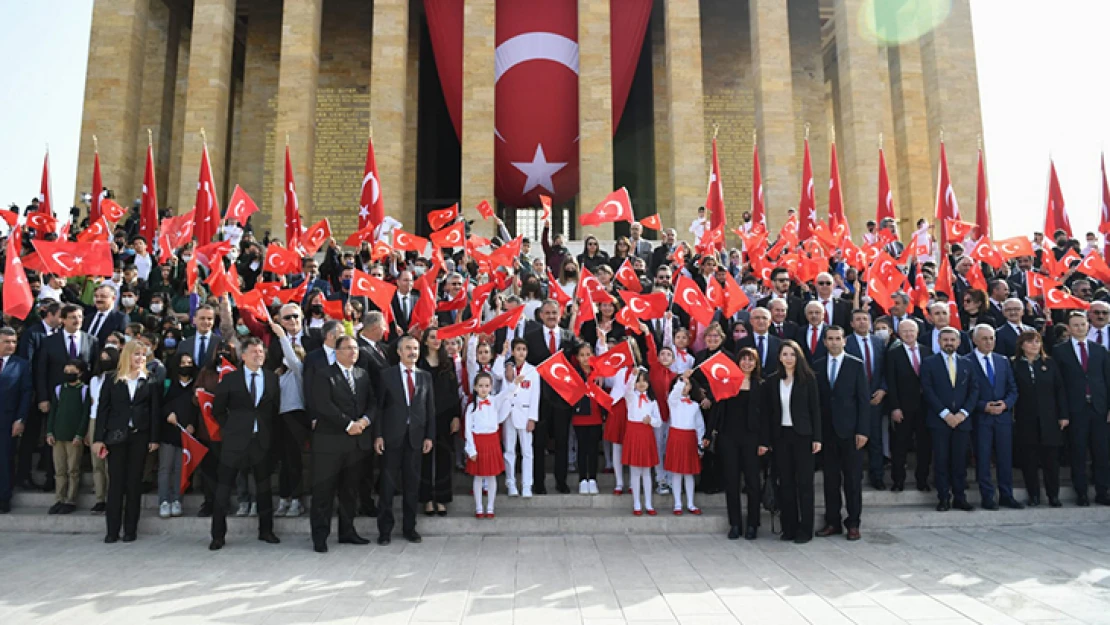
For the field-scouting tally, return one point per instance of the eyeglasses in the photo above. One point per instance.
(1100, 312)
(291, 317)
(824, 283)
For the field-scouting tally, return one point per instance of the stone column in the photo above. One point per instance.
(159, 80)
(952, 98)
(664, 187)
(388, 113)
(207, 101)
(595, 112)
(808, 68)
(779, 158)
(479, 84)
(113, 90)
(296, 113)
(862, 96)
(689, 153)
(911, 137)
(260, 90)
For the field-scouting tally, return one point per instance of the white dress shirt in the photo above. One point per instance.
(405, 382)
(785, 390)
(833, 367)
(1093, 336)
(259, 386)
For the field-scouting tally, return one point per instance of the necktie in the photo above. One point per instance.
(951, 360)
(813, 340)
(762, 354)
(96, 324)
(1098, 335)
(411, 385)
(73, 349)
(914, 359)
(405, 306)
(551, 346)
(867, 358)
(1083, 355)
(254, 388)
(990, 369)
(350, 380)
(832, 371)
(778, 330)
(202, 350)
(825, 305)
(643, 399)
(2, 360)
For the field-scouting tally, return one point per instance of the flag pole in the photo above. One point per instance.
(149, 138)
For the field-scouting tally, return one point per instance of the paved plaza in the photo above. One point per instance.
(1039, 574)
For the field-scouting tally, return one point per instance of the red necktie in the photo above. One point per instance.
(825, 305)
(551, 346)
(411, 385)
(916, 362)
(1083, 355)
(867, 358)
(813, 340)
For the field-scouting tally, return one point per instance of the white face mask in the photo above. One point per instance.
(128, 302)
(156, 308)
(883, 334)
(750, 289)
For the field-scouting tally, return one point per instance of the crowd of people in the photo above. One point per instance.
(386, 406)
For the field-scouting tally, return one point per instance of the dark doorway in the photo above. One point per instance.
(438, 152)
(634, 141)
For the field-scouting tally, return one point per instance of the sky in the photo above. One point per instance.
(1042, 84)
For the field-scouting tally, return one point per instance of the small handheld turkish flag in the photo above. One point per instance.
(437, 219)
(485, 210)
(617, 206)
(724, 376)
(646, 307)
(281, 260)
(224, 368)
(315, 237)
(240, 207)
(608, 364)
(205, 399)
(562, 378)
(626, 275)
(451, 237)
(653, 222)
(192, 452)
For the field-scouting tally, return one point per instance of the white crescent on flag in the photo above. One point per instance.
(686, 297)
(616, 360)
(563, 376)
(637, 305)
(713, 372)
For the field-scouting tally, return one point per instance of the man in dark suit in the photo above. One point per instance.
(780, 282)
(812, 335)
(375, 356)
(940, 316)
(872, 353)
(898, 313)
(555, 415)
(762, 341)
(907, 409)
(30, 340)
(403, 432)
(950, 391)
(102, 319)
(846, 416)
(343, 410)
(321, 357)
(15, 387)
(32, 334)
(1005, 339)
(403, 303)
(781, 327)
(994, 420)
(838, 312)
(202, 345)
(453, 284)
(661, 254)
(1085, 368)
(247, 403)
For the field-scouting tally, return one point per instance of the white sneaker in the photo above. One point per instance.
(164, 510)
(583, 488)
(283, 507)
(593, 487)
(244, 509)
(527, 493)
(253, 510)
(175, 508)
(295, 508)
(511, 487)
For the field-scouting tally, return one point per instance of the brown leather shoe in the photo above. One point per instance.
(829, 530)
(853, 533)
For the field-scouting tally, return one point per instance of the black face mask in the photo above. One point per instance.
(188, 370)
(316, 309)
(72, 377)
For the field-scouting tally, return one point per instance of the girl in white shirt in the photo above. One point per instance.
(680, 345)
(484, 458)
(683, 457)
(639, 451)
(479, 359)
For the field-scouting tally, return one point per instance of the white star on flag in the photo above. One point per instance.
(539, 171)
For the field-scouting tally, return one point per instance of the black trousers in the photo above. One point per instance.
(334, 473)
(290, 432)
(554, 423)
(210, 471)
(1036, 458)
(7, 446)
(29, 443)
(436, 467)
(740, 457)
(400, 472)
(125, 483)
(589, 440)
(1089, 437)
(794, 458)
(255, 460)
(843, 469)
(911, 433)
(950, 461)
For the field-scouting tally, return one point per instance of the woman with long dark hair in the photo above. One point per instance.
(127, 429)
(435, 475)
(796, 434)
(1040, 416)
(207, 380)
(178, 409)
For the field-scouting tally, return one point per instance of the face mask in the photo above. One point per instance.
(186, 257)
(156, 308)
(418, 270)
(346, 282)
(242, 330)
(188, 370)
(883, 334)
(255, 265)
(316, 309)
(750, 289)
(170, 342)
(72, 377)
(126, 338)
(115, 277)
(127, 302)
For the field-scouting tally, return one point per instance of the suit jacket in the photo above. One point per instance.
(118, 410)
(189, 346)
(752, 405)
(789, 330)
(402, 421)
(537, 343)
(15, 388)
(802, 338)
(30, 339)
(770, 362)
(400, 317)
(375, 360)
(234, 409)
(841, 313)
(903, 384)
(52, 356)
(1079, 383)
(941, 395)
(805, 407)
(795, 308)
(114, 321)
(926, 339)
(878, 360)
(1041, 402)
(845, 404)
(335, 406)
(1005, 339)
(1004, 388)
(310, 340)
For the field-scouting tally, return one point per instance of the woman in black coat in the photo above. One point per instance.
(128, 427)
(743, 435)
(178, 409)
(796, 438)
(1040, 417)
(435, 474)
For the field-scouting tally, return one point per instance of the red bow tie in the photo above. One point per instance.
(681, 352)
(484, 402)
(643, 398)
(687, 400)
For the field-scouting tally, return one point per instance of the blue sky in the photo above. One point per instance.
(1042, 78)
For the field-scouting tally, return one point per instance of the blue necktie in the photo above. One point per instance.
(990, 369)
(202, 350)
(832, 372)
(762, 358)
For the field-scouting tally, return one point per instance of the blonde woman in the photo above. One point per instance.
(127, 429)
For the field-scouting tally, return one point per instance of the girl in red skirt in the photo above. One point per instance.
(638, 449)
(485, 460)
(683, 457)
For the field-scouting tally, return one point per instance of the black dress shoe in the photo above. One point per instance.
(1103, 499)
(384, 540)
(962, 504)
(129, 538)
(1033, 502)
(786, 537)
(368, 510)
(111, 539)
(923, 487)
(878, 485)
(353, 539)
(5, 507)
(320, 547)
(68, 508)
(803, 539)
(829, 530)
(563, 489)
(539, 491)
(205, 510)
(413, 537)
(751, 533)
(897, 488)
(56, 508)
(1011, 503)
(943, 506)
(989, 504)
(216, 544)
(734, 532)
(1054, 502)
(1082, 502)
(269, 537)
(99, 508)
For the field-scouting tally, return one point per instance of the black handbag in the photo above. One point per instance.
(115, 437)
(768, 497)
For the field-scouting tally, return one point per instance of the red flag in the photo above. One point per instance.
(459, 329)
(69, 259)
(97, 189)
(458, 302)
(545, 203)
(692, 300)
(371, 209)
(884, 209)
(437, 219)
(17, 292)
(836, 198)
(205, 400)
(1039, 283)
(1056, 214)
(562, 378)
(984, 251)
(111, 210)
(976, 278)
(192, 452)
(724, 376)
(947, 206)
(207, 254)
(759, 216)
(1094, 266)
(626, 275)
(240, 207)
(735, 297)
(653, 222)
(485, 210)
(807, 205)
(177, 231)
(714, 293)
(920, 295)
(451, 236)
(880, 291)
(378, 291)
(555, 291)
(617, 206)
(585, 302)
(99, 229)
(315, 237)
(269, 290)
(207, 205)
(608, 364)
(954, 316)
(508, 319)
(292, 206)
(281, 260)
(224, 368)
(1104, 214)
(982, 203)
(286, 296)
(628, 319)
(591, 285)
(1014, 247)
(1057, 299)
(357, 237)
(46, 204)
(380, 250)
(191, 274)
(956, 231)
(409, 242)
(148, 201)
(333, 309)
(715, 199)
(595, 392)
(425, 308)
(711, 241)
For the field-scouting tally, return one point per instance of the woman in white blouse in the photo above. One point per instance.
(796, 437)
